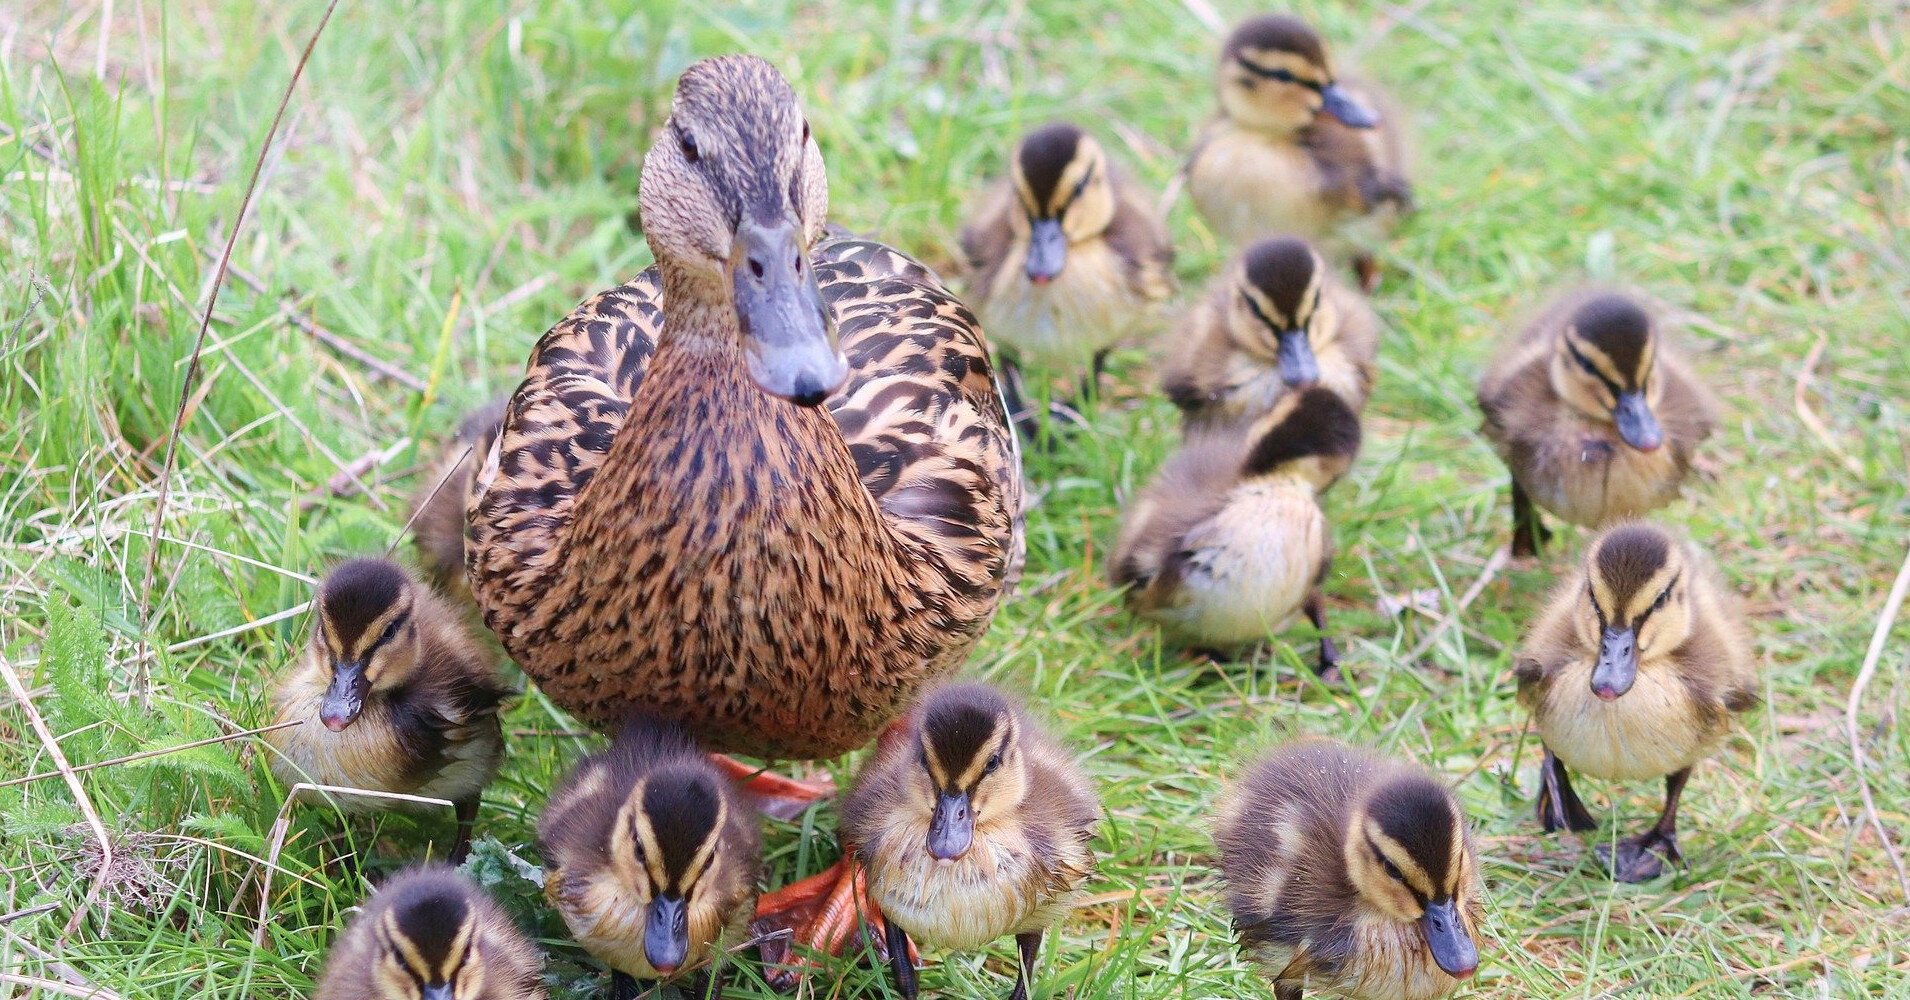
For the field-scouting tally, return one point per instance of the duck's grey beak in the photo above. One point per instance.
(441, 991)
(1446, 935)
(1298, 366)
(1636, 423)
(666, 934)
(1617, 667)
(951, 828)
(788, 334)
(1047, 250)
(1350, 110)
(345, 698)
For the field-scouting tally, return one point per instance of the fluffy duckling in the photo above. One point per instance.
(1277, 322)
(1065, 257)
(1636, 671)
(1296, 149)
(652, 857)
(1350, 874)
(1594, 414)
(431, 934)
(437, 509)
(1229, 541)
(972, 825)
(395, 694)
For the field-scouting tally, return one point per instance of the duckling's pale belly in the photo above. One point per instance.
(1254, 386)
(1648, 732)
(369, 755)
(1249, 186)
(1391, 962)
(608, 921)
(991, 891)
(1599, 480)
(1088, 307)
(1252, 565)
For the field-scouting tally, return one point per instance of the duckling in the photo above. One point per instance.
(1350, 874)
(1594, 414)
(1229, 541)
(1635, 671)
(1277, 322)
(971, 826)
(431, 934)
(1296, 149)
(395, 694)
(652, 857)
(437, 508)
(1066, 256)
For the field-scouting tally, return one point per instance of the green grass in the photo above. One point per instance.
(453, 177)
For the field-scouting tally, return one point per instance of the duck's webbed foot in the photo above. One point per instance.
(821, 914)
(1637, 858)
(1559, 807)
(777, 796)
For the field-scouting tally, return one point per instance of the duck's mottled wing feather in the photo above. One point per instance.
(922, 414)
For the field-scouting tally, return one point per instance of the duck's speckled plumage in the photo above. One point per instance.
(654, 531)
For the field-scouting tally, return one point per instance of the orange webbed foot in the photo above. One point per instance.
(777, 796)
(821, 914)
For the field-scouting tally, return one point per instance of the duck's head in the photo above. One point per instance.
(1637, 603)
(365, 635)
(1278, 310)
(1275, 76)
(733, 195)
(1061, 182)
(1605, 365)
(1408, 859)
(1312, 435)
(972, 772)
(666, 849)
(430, 941)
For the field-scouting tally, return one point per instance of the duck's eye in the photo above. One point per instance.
(921, 755)
(1392, 870)
(1282, 75)
(688, 143)
(805, 131)
(993, 765)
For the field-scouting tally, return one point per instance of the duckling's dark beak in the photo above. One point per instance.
(788, 333)
(1298, 366)
(441, 991)
(952, 827)
(1617, 665)
(666, 934)
(1636, 423)
(1335, 101)
(1047, 250)
(1446, 935)
(346, 696)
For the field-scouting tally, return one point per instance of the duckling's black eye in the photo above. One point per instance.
(993, 765)
(688, 142)
(1282, 75)
(805, 131)
(1392, 870)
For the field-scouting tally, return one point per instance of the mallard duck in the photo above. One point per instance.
(972, 826)
(1066, 256)
(431, 934)
(1635, 671)
(1350, 875)
(394, 694)
(1229, 540)
(652, 857)
(1297, 149)
(1594, 414)
(437, 508)
(804, 494)
(1277, 322)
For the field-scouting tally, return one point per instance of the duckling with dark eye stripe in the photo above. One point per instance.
(1596, 417)
(972, 826)
(653, 856)
(1277, 322)
(431, 934)
(1636, 671)
(395, 695)
(1350, 874)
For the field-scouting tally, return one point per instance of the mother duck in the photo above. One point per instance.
(767, 488)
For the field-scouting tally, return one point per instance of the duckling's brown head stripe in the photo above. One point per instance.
(1276, 33)
(1620, 330)
(354, 596)
(1626, 560)
(684, 809)
(1416, 814)
(1319, 424)
(431, 925)
(961, 723)
(1043, 157)
(1284, 270)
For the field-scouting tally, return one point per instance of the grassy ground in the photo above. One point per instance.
(452, 177)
